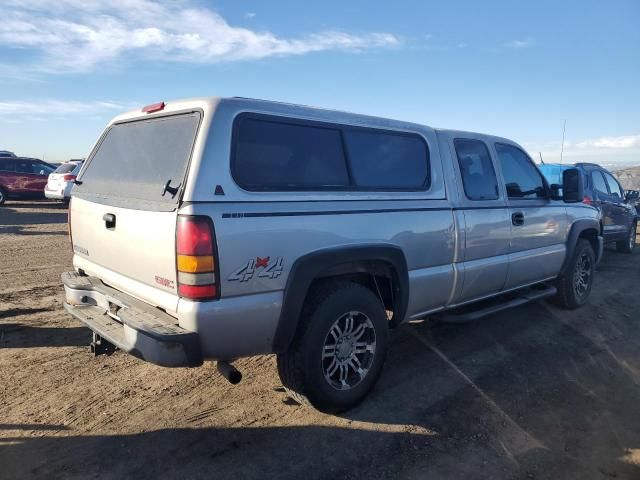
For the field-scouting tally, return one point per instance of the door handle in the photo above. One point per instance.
(109, 220)
(517, 219)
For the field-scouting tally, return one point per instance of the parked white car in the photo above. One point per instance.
(61, 180)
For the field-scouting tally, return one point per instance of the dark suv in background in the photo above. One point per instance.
(23, 177)
(602, 190)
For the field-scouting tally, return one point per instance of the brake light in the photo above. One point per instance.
(587, 200)
(154, 107)
(196, 258)
(69, 223)
(69, 178)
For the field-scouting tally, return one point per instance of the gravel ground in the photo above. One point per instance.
(535, 392)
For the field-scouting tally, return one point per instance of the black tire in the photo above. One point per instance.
(569, 295)
(627, 246)
(3, 196)
(302, 368)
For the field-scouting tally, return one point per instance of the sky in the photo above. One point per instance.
(513, 69)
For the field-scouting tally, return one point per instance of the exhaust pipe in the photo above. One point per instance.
(228, 371)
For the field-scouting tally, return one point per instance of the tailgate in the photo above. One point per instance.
(139, 248)
(124, 209)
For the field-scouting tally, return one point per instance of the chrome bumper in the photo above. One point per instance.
(129, 324)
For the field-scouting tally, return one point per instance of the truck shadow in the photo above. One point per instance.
(19, 335)
(310, 452)
(13, 221)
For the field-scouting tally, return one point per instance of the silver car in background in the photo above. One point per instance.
(61, 181)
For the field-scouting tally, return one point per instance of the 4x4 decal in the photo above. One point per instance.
(263, 267)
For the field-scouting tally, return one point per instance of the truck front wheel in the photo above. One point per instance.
(339, 350)
(575, 284)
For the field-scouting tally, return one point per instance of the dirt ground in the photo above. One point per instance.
(536, 392)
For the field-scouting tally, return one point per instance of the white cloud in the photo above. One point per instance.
(523, 43)
(604, 150)
(623, 142)
(250, 14)
(15, 109)
(81, 35)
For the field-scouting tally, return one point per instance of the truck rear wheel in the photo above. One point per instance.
(575, 284)
(339, 350)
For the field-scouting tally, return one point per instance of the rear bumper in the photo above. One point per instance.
(131, 325)
(53, 194)
(58, 193)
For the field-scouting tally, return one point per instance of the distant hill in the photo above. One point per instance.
(629, 178)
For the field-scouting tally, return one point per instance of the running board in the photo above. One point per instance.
(497, 304)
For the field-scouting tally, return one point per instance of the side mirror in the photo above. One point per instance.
(631, 194)
(555, 191)
(572, 188)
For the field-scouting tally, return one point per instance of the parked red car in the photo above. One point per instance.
(23, 177)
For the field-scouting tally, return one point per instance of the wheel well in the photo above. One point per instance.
(378, 276)
(591, 235)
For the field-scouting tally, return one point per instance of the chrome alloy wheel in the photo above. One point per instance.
(632, 237)
(348, 351)
(582, 274)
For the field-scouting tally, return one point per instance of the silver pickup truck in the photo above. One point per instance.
(219, 228)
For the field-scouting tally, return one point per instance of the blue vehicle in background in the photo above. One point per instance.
(603, 191)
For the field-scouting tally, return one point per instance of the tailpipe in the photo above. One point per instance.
(228, 371)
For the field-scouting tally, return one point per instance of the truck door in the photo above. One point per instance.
(487, 228)
(538, 224)
(602, 200)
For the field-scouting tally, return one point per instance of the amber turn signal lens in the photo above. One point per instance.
(195, 264)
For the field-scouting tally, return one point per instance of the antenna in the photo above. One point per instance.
(541, 160)
(564, 128)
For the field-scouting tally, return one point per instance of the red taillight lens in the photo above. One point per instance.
(587, 200)
(198, 292)
(69, 223)
(69, 178)
(195, 236)
(195, 261)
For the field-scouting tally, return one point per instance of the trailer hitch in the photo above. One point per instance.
(100, 346)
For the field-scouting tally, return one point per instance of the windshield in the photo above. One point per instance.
(66, 168)
(137, 160)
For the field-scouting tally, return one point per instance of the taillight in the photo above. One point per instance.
(587, 200)
(196, 258)
(69, 178)
(69, 223)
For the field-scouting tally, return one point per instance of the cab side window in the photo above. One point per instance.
(614, 186)
(522, 178)
(478, 175)
(599, 185)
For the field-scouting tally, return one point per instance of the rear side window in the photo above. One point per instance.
(478, 175)
(386, 160)
(135, 160)
(8, 166)
(522, 178)
(271, 153)
(275, 155)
